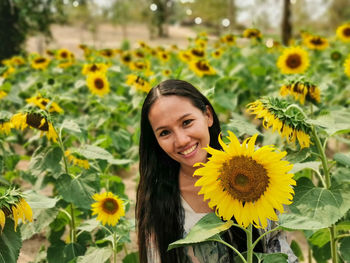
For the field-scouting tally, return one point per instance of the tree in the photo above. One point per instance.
(286, 28)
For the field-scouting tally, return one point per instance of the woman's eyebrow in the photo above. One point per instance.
(179, 119)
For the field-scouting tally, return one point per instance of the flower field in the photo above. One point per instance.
(75, 119)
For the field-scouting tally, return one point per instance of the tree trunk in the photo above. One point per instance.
(286, 23)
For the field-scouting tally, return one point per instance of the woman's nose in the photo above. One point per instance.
(181, 139)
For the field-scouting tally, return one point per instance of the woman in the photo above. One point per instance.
(177, 122)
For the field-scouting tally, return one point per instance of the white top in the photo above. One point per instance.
(191, 217)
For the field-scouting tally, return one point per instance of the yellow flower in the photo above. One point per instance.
(8, 72)
(316, 42)
(109, 208)
(138, 83)
(302, 91)
(140, 65)
(64, 54)
(2, 94)
(107, 53)
(36, 121)
(5, 127)
(94, 68)
(126, 58)
(246, 183)
(228, 39)
(217, 53)
(2, 220)
(343, 32)
(98, 84)
(166, 72)
(293, 60)
(22, 211)
(197, 53)
(76, 161)
(201, 68)
(42, 103)
(163, 56)
(347, 66)
(139, 53)
(40, 63)
(185, 56)
(17, 61)
(252, 33)
(289, 127)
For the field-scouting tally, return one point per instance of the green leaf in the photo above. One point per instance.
(131, 258)
(268, 258)
(320, 237)
(72, 251)
(241, 126)
(342, 158)
(205, 228)
(46, 159)
(344, 249)
(95, 254)
(315, 207)
(89, 225)
(78, 190)
(10, 243)
(55, 252)
(95, 152)
(307, 165)
(70, 126)
(336, 122)
(297, 250)
(119, 161)
(38, 201)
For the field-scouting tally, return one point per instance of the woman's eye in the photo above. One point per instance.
(163, 133)
(187, 122)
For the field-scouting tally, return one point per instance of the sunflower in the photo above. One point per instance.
(64, 54)
(5, 127)
(17, 61)
(336, 55)
(201, 68)
(166, 72)
(42, 103)
(164, 56)
(185, 56)
(108, 207)
(98, 84)
(252, 33)
(217, 53)
(94, 68)
(228, 39)
(140, 65)
(201, 42)
(197, 53)
(76, 161)
(347, 66)
(36, 121)
(343, 32)
(138, 83)
(302, 90)
(107, 53)
(12, 203)
(289, 124)
(293, 60)
(316, 42)
(40, 63)
(2, 94)
(126, 58)
(246, 183)
(139, 53)
(10, 70)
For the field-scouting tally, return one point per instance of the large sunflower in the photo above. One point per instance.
(289, 125)
(343, 32)
(246, 183)
(293, 60)
(108, 207)
(98, 84)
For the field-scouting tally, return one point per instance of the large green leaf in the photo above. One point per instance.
(10, 243)
(342, 158)
(46, 159)
(78, 190)
(307, 165)
(131, 258)
(96, 254)
(315, 207)
(70, 126)
(344, 249)
(95, 152)
(336, 122)
(205, 228)
(272, 258)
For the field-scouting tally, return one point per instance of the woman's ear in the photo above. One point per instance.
(209, 115)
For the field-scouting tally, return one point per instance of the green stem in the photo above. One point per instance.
(233, 248)
(333, 243)
(264, 234)
(342, 236)
(250, 246)
(114, 247)
(298, 108)
(309, 255)
(73, 232)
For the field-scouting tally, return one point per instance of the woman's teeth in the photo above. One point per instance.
(189, 150)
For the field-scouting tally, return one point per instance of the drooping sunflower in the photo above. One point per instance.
(138, 83)
(302, 90)
(316, 42)
(2, 219)
(108, 207)
(40, 63)
(293, 60)
(34, 120)
(347, 66)
(42, 103)
(202, 68)
(22, 211)
(246, 183)
(289, 124)
(98, 84)
(343, 32)
(252, 33)
(76, 161)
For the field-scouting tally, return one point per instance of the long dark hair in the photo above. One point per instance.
(159, 212)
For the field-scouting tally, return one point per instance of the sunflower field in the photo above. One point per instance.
(69, 123)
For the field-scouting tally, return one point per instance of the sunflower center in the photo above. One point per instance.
(64, 54)
(244, 179)
(317, 41)
(110, 206)
(202, 66)
(99, 84)
(197, 53)
(40, 60)
(93, 68)
(34, 120)
(293, 61)
(346, 32)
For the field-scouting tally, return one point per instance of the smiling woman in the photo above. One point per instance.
(177, 122)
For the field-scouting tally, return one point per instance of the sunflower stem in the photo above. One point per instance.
(233, 248)
(298, 108)
(73, 232)
(264, 234)
(114, 247)
(250, 246)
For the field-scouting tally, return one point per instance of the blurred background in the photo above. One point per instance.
(36, 25)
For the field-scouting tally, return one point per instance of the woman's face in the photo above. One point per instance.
(181, 129)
